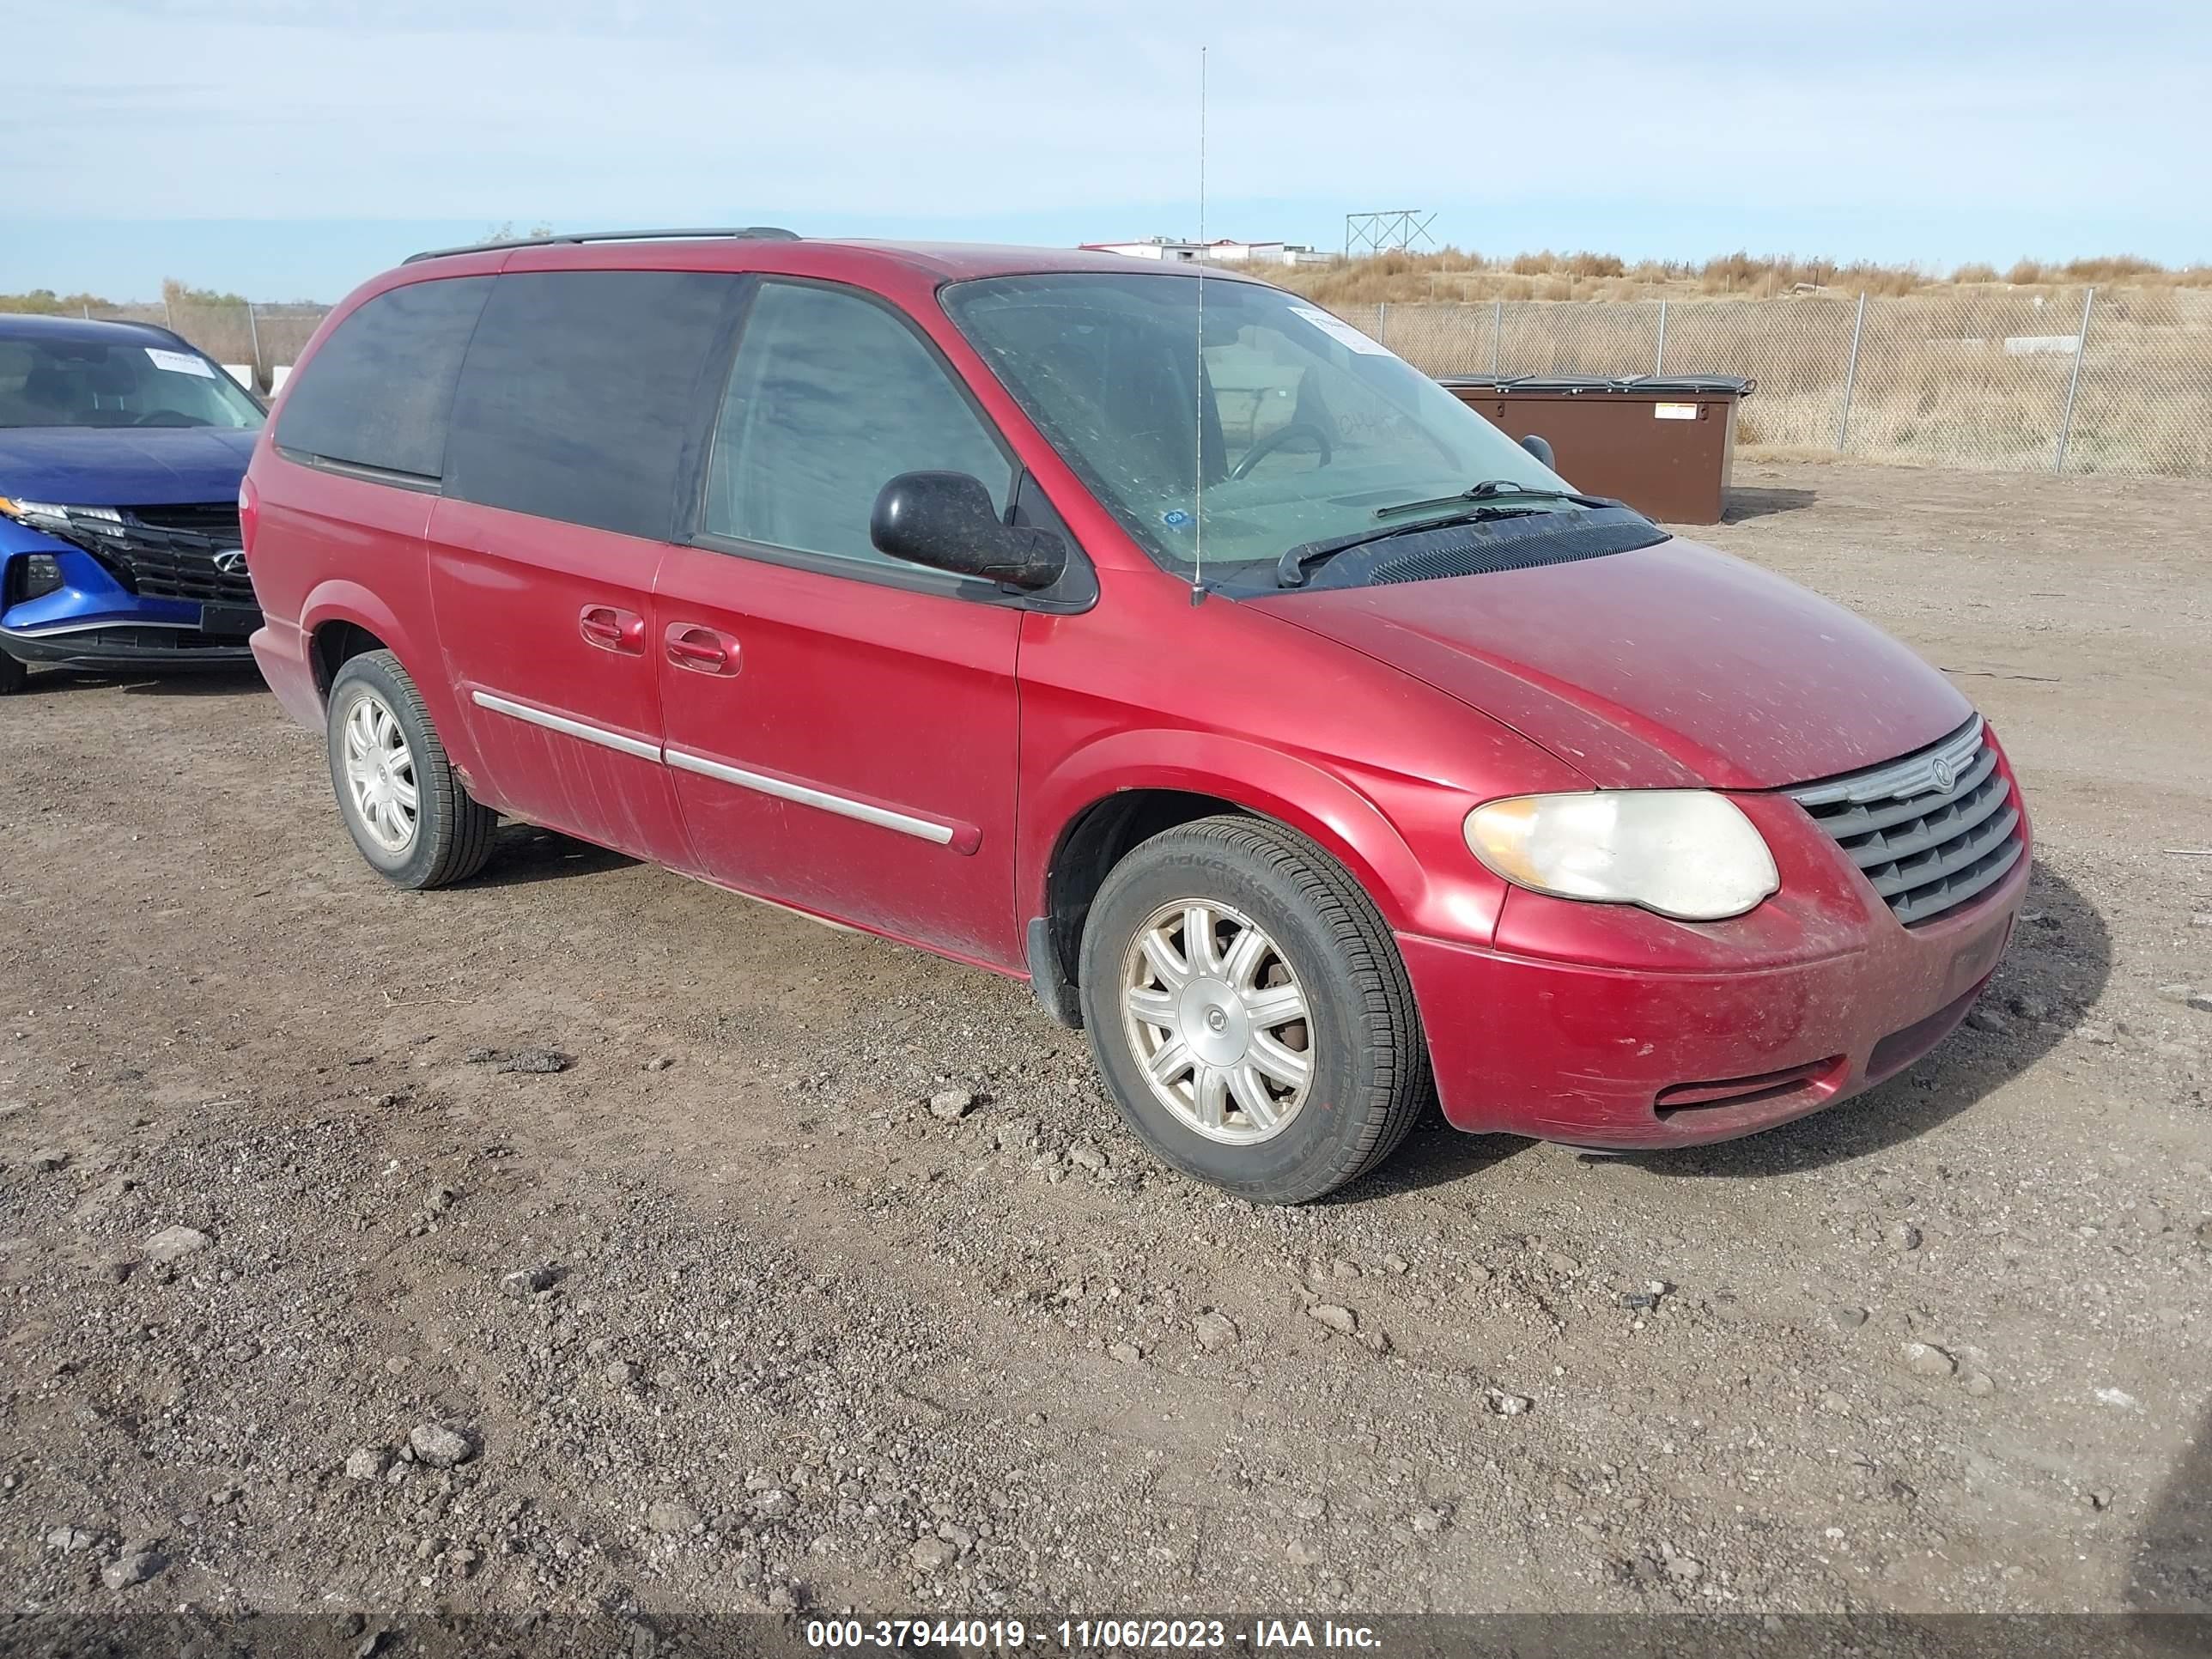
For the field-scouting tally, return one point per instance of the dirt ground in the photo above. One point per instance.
(783, 1337)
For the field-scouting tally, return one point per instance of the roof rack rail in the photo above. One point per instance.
(757, 233)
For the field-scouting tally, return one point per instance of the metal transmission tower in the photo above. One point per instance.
(1395, 231)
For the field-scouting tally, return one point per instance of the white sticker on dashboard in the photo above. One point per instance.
(1673, 412)
(179, 363)
(1338, 330)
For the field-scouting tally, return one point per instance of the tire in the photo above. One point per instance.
(447, 838)
(12, 675)
(1323, 949)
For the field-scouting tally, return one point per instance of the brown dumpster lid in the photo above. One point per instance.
(1737, 386)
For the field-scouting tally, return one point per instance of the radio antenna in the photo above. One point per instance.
(1198, 368)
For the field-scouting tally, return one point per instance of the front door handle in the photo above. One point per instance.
(612, 629)
(701, 649)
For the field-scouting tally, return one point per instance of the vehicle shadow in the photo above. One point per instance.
(523, 852)
(1752, 502)
(2053, 973)
(2171, 1571)
(1434, 1154)
(2060, 959)
(245, 680)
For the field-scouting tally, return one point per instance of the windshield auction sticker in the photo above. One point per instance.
(179, 363)
(1341, 332)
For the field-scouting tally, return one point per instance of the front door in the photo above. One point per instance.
(841, 726)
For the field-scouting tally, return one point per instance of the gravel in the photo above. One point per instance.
(174, 1244)
(672, 1515)
(871, 1348)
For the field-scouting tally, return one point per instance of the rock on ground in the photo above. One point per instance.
(1214, 1331)
(440, 1445)
(174, 1244)
(135, 1568)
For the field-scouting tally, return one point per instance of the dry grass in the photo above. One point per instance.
(1950, 375)
(1453, 274)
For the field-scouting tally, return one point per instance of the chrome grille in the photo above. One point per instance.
(1931, 831)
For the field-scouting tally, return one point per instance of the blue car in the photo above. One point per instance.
(121, 450)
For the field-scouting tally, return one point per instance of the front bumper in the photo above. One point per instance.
(123, 646)
(93, 622)
(1625, 1057)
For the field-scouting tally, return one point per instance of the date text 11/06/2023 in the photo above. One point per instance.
(1087, 1635)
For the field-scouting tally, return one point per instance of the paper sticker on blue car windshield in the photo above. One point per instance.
(1341, 332)
(179, 363)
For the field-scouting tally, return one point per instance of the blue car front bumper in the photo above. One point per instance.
(94, 620)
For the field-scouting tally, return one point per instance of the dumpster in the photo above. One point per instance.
(1663, 444)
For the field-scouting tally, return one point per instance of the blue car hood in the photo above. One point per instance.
(112, 466)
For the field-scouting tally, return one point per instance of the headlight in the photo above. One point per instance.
(1684, 853)
(46, 515)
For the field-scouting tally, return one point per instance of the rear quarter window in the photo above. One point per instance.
(578, 400)
(377, 393)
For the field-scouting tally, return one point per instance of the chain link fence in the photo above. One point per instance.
(2086, 380)
(259, 338)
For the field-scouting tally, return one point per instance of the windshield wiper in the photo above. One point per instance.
(1491, 489)
(1292, 568)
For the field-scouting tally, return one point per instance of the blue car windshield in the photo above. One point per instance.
(47, 383)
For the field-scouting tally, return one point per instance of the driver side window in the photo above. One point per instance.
(830, 398)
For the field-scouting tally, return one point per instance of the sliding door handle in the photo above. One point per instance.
(612, 629)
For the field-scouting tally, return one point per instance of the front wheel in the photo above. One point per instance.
(12, 675)
(1249, 1010)
(399, 796)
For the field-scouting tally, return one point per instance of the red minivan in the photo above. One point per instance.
(1149, 635)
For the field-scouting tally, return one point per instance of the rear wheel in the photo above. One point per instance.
(399, 796)
(1249, 1010)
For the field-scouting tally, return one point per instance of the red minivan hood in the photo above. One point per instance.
(1671, 665)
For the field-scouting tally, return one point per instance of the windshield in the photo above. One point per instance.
(1308, 426)
(85, 383)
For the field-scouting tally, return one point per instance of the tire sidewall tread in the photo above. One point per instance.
(1373, 1081)
(453, 832)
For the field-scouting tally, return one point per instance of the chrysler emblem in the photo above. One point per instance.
(232, 563)
(1940, 769)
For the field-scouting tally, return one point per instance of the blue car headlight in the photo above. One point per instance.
(68, 522)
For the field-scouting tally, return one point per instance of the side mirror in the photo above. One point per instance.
(945, 520)
(1540, 449)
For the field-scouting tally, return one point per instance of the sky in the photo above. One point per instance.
(290, 148)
